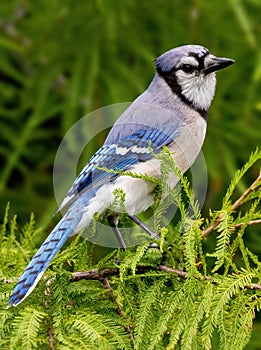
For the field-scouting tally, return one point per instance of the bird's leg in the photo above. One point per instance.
(113, 222)
(143, 226)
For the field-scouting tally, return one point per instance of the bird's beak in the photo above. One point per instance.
(217, 63)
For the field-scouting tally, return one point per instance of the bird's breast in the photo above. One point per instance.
(186, 147)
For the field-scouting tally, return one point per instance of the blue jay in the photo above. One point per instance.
(172, 112)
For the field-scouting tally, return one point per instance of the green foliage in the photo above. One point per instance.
(179, 295)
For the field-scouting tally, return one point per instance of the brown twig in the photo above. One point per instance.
(184, 275)
(211, 227)
(93, 274)
(249, 223)
(51, 338)
(5, 281)
(256, 286)
(179, 273)
(250, 189)
(237, 203)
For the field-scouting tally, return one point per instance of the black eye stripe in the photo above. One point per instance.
(194, 68)
(200, 59)
(188, 68)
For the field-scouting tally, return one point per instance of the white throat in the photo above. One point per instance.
(198, 89)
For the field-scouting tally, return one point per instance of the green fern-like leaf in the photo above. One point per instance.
(227, 288)
(199, 310)
(145, 320)
(172, 306)
(241, 315)
(191, 238)
(132, 261)
(99, 330)
(225, 228)
(27, 326)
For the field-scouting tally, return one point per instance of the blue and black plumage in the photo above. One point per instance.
(171, 112)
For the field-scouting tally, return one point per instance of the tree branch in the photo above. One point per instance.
(256, 286)
(184, 275)
(93, 274)
(179, 273)
(237, 203)
(250, 189)
(51, 338)
(103, 274)
(251, 222)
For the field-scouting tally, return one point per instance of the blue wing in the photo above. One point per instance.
(120, 155)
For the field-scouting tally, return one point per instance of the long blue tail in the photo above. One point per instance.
(35, 269)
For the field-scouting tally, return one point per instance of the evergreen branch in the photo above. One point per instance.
(227, 289)
(240, 224)
(118, 307)
(98, 331)
(132, 261)
(172, 303)
(191, 291)
(225, 229)
(26, 327)
(234, 206)
(200, 307)
(146, 315)
(211, 227)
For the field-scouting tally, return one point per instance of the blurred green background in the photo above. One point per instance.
(62, 59)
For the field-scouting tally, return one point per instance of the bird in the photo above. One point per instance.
(172, 112)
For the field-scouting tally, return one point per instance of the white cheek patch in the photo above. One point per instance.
(198, 89)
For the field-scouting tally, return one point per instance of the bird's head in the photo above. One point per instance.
(189, 71)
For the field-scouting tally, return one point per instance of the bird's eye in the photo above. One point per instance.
(188, 68)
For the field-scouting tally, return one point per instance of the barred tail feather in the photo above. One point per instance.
(35, 269)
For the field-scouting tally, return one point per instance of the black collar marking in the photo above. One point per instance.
(171, 80)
